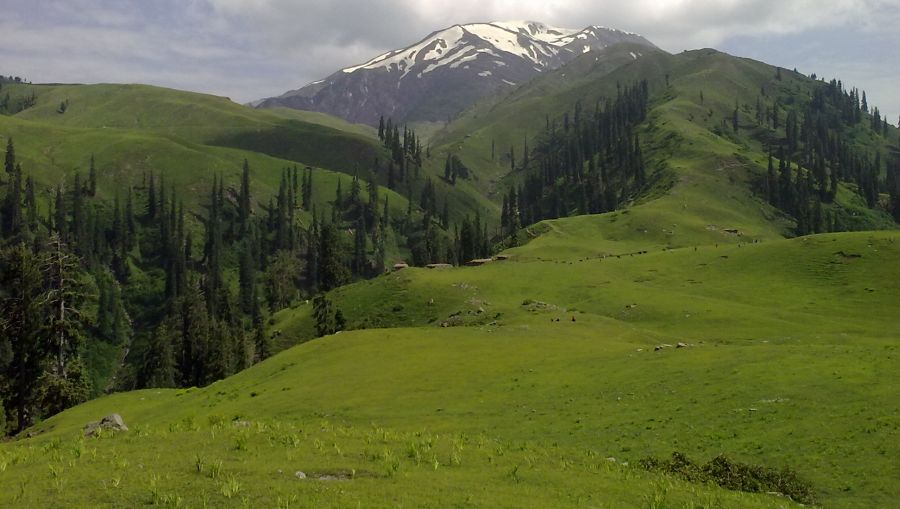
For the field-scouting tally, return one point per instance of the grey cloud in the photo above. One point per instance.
(253, 48)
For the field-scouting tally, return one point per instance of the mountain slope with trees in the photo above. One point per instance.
(679, 271)
(709, 118)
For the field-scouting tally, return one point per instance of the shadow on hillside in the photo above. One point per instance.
(306, 144)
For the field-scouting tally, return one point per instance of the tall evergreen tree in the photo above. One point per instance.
(151, 198)
(333, 268)
(247, 279)
(158, 368)
(244, 201)
(92, 178)
(10, 159)
(12, 205)
(20, 322)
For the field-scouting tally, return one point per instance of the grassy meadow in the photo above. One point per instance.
(479, 396)
(538, 381)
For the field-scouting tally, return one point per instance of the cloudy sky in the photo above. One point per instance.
(248, 49)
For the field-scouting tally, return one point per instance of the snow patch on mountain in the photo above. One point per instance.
(531, 41)
(449, 70)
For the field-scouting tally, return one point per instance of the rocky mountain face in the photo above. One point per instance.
(448, 71)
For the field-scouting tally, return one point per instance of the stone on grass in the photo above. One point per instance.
(112, 422)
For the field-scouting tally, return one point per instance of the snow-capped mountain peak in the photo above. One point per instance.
(475, 58)
(530, 40)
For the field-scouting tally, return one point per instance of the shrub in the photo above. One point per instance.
(735, 476)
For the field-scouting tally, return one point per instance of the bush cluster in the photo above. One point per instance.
(734, 476)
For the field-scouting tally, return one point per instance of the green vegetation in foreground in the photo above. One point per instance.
(789, 365)
(216, 461)
(802, 332)
(514, 383)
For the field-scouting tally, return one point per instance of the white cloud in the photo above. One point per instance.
(676, 24)
(252, 48)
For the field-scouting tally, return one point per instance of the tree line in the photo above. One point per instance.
(819, 150)
(189, 293)
(589, 163)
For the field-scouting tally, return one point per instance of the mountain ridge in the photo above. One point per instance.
(453, 67)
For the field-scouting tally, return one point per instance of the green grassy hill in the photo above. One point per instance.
(544, 379)
(136, 131)
(789, 363)
(186, 137)
(132, 128)
(704, 172)
(310, 139)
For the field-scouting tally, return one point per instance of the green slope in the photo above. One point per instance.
(790, 364)
(52, 154)
(704, 172)
(52, 148)
(512, 383)
(315, 140)
(186, 137)
(802, 331)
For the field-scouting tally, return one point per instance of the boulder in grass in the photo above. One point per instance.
(112, 422)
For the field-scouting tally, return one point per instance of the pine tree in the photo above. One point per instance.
(244, 201)
(219, 361)
(734, 118)
(378, 242)
(20, 322)
(130, 223)
(355, 190)
(312, 254)
(247, 279)
(213, 248)
(771, 185)
(10, 160)
(339, 196)
(360, 260)
(60, 221)
(92, 178)
(151, 198)
(158, 368)
(328, 319)
(448, 169)
(65, 383)
(194, 325)
(31, 215)
(262, 341)
(12, 205)
(333, 270)
(65, 297)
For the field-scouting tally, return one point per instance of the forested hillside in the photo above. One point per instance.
(659, 266)
(556, 147)
(178, 248)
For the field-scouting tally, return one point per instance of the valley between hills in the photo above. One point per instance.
(629, 279)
